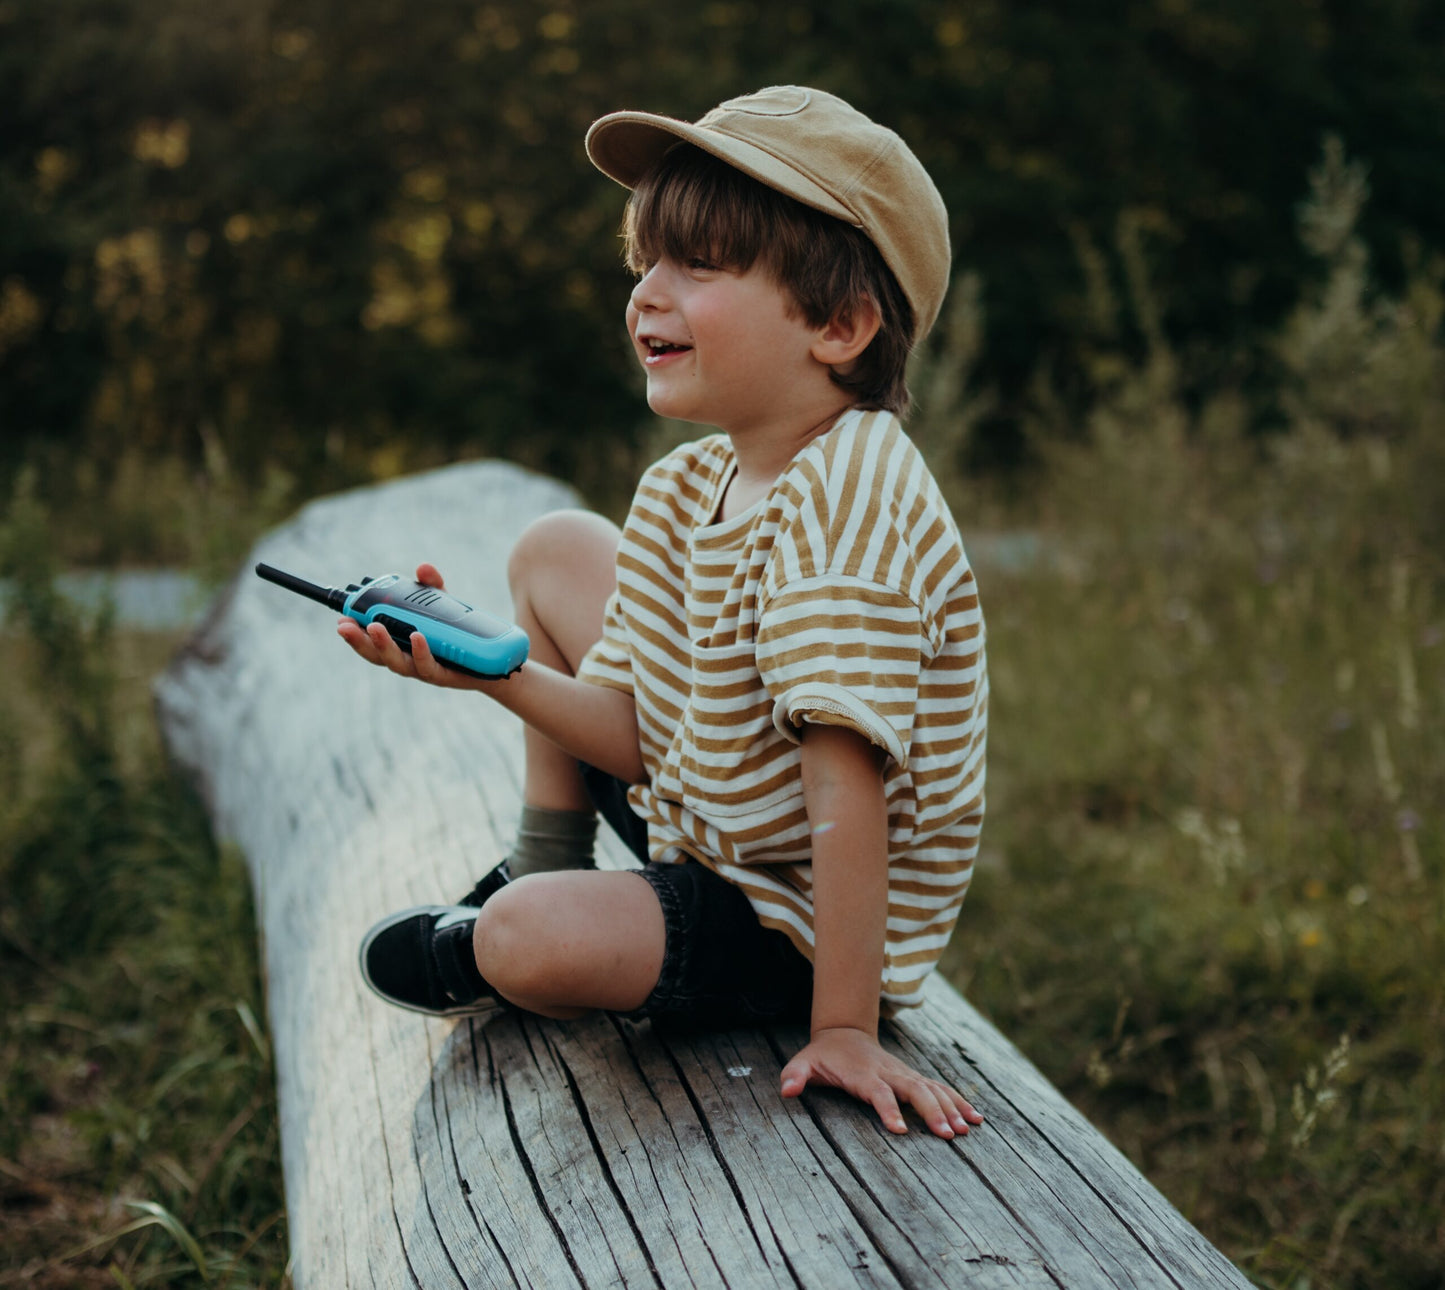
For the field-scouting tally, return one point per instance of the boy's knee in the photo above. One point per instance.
(558, 540)
(510, 940)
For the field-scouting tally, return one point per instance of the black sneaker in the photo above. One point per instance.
(487, 887)
(422, 959)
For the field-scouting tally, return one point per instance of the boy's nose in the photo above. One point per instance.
(647, 294)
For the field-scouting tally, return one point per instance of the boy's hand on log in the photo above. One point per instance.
(856, 1062)
(375, 645)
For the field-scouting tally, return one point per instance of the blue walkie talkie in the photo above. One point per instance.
(460, 637)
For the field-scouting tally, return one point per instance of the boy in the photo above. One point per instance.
(771, 682)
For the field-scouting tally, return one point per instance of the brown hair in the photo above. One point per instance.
(691, 204)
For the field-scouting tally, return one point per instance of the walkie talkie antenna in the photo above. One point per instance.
(331, 597)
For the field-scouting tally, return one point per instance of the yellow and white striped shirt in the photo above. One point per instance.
(843, 597)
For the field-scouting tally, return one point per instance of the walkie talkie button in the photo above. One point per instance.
(399, 631)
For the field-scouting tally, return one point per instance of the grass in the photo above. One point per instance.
(138, 1141)
(1210, 907)
(1210, 902)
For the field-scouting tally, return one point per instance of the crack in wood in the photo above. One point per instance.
(479, 1220)
(441, 1240)
(910, 1043)
(1018, 1218)
(531, 1175)
(493, 1077)
(591, 1132)
(713, 1145)
(706, 1245)
(1041, 1134)
(1042, 1178)
(405, 1253)
(386, 1156)
(858, 1212)
(1073, 1167)
(907, 1043)
(783, 1253)
(511, 1271)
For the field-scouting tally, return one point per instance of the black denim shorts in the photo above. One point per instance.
(721, 967)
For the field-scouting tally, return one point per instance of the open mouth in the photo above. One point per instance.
(659, 349)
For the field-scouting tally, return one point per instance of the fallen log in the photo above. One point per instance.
(523, 1152)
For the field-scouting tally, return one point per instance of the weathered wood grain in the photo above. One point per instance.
(521, 1152)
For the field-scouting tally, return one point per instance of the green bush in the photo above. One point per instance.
(349, 242)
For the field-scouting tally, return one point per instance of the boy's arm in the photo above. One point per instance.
(595, 723)
(843, 789)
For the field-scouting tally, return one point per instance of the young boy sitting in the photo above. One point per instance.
(771, 682)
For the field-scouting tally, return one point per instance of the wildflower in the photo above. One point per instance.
(1318, 1093)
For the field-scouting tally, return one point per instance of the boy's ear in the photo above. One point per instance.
(848, 333)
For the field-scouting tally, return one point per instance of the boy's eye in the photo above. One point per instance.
(701, 264)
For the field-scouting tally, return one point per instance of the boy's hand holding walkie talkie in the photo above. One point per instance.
(465, 642)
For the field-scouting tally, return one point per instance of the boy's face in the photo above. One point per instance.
(721, 347)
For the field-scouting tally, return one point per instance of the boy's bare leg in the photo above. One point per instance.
(561, 571)
(561, 944)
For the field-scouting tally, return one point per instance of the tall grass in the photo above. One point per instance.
(1210, 905)
(137, 1120)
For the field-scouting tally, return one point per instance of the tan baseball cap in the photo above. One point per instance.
(816, 148)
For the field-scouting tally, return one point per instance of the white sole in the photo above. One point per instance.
(479, 1008)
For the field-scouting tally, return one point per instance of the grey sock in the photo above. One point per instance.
(549, 840)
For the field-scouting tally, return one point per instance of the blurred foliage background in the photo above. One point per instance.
(328, 242)
(1192, 369)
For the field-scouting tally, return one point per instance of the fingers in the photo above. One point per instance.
(938, 1105)
(424, 663)
(795, 1077)
(391, 654)
(964, 1109)
(886, 1104)
(375, 645)
(355, 635)
(957, 1110)
(887, 1089)
(431, 575)
(946, 1113)
(877, 1093)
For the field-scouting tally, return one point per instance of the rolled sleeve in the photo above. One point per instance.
(843, 652)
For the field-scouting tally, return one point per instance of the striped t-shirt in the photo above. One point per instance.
(842, 597)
